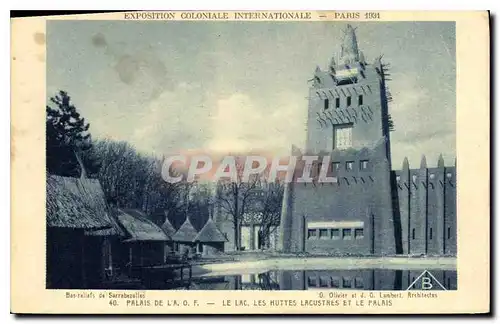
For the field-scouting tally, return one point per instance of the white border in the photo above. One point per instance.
(186, 5)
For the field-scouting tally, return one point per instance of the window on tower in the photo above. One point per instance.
(363, 164)
(343, 137)
(360, 100)
(323, 233)
(326, 104)
(345, 81)
(335, 166)
(349, 101)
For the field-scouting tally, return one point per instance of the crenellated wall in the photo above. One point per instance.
(427, 208)
(420, 219)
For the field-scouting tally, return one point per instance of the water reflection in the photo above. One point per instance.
(365, 279)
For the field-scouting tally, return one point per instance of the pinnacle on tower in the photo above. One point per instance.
(362, 57)
(333, 64)
(423, 162)
(406, 164)
(440, 161)
(349, 52)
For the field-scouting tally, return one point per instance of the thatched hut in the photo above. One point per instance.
(169, 229)
(110, 241)
(184, 238)
(74, 208)
(210, 240)
(144, 241)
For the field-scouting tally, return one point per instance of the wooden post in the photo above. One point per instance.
(104, 258)
(110, 256)
(164, 253)
(130, 259)
(84, 277)
(372, 234)
(142, 254)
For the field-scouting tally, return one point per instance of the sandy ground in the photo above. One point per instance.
(248, 266)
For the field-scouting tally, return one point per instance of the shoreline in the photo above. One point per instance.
(237, 267)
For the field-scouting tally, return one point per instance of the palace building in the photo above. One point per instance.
(371, 209)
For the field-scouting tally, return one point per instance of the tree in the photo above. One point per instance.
(131, 179)
(266, 211)
(200, 202)
(67, 138)
(236, 198)
(270, 211)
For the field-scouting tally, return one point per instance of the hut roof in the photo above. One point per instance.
(210, 233)
(138, 227)
(116, 228)
(186, 233)
(76, 203)
(168, 228)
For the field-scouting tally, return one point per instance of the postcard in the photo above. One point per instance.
(250, 162)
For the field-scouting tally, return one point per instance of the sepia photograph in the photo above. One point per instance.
(377, 99)
(250, 162)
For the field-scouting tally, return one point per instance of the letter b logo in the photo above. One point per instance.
(426, 283)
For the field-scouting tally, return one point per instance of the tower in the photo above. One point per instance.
(348, 102)
(348, 121)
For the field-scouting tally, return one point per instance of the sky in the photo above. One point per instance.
(170, 86)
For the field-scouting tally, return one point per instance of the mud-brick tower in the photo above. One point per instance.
(348, 120)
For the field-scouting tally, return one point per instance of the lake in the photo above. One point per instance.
(362, 279)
